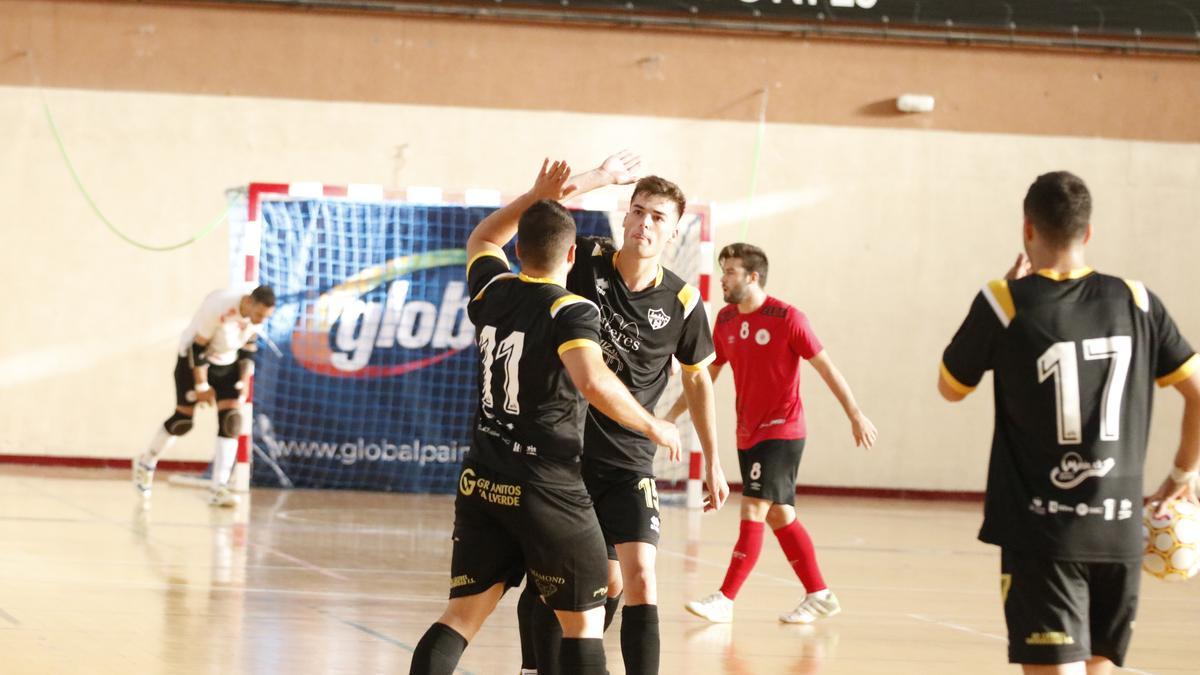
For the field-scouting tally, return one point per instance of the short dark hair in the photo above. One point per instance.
(1059, 206)
(263, 295)
(653, 186)
(753, 259)
(545, 231)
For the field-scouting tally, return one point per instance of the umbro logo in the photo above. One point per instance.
(658, 318)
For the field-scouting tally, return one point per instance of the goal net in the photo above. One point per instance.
(366, 378)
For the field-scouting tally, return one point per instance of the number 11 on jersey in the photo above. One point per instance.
(510, 350)
(1060, 363)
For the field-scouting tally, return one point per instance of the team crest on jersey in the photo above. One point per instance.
(658, 318)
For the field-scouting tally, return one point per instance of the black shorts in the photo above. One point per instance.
(504, 528)
(1061, 612)
(769, 470)
(626, 504)
(223, 379)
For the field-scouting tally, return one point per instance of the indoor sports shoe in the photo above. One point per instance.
(143, 477)
(819, 605)
(223, 498)
(716, 608)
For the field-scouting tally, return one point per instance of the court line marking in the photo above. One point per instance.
(303, 563)
(376, 634)
(993, 636)
(792, 581)
(958, 627)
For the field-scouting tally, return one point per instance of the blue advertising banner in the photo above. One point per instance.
(372, 382)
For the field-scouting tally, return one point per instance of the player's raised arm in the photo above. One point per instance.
(623, 168)
(608, 394)
(498, 228)
(862, 428)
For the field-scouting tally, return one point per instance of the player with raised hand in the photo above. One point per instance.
(1074, 356)
(648, 316)
(522, 507)
(214, 365)
(764, 339)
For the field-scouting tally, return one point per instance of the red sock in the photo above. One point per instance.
(798, 548)
(745, 555)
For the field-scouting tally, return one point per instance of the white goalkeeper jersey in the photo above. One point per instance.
(219, 321)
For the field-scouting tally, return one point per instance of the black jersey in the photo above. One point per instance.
(529, 423)
(1074, 358)
(639, 333)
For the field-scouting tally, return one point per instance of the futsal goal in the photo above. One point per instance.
(366, 370)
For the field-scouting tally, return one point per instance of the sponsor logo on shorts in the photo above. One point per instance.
(654, 523)
(503, 494)
(460, 580)
(1073, 470)
(1049, 639)
(466, 482)
(547, 584)
(600, 592)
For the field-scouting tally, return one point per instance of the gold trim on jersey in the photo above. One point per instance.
(576, 344)
(1181, 373)
(566, 301)
(1140, 295)
(657, 277)
(689, 297)
(693, 367)
(1055, 275)
(484, 254)
(498, 277)
(1000, 298)
(952, 381)
(537, 280)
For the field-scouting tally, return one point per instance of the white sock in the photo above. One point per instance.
(161, 442)
(223, 461)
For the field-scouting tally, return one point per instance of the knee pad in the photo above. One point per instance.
(229, 423)
(178, 424)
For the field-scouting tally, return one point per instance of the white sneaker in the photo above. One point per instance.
(819, 605)
(223, 498)
(716, 608)
(143, 477)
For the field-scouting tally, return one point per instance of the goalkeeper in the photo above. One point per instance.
(214, 365)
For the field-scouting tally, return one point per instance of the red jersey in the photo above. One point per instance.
(764, 348)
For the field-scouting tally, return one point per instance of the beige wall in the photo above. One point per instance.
(881, 236)
(880, 226)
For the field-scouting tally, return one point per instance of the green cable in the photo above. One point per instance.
(758, 144)
(96, 209)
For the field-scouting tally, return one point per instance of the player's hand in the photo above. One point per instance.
(715, 487)
(623, 168)
(864, 431)
(206, 397)
(1020, 268)
(551, 182)
(1170, 490)
(667, 435)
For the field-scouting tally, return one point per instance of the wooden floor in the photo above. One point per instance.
(342, 582)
